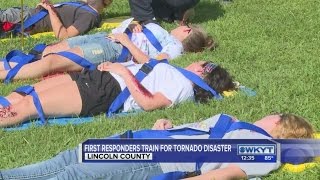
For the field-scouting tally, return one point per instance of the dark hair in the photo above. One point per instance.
(198, 40)
(219, 79)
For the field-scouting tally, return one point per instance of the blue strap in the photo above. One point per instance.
(125, 51)
(37, 49)
(221, 127)
(225, 124)
(198, 81)
(4, 102)
(21, 59)
(13, 56)
(77, 59)
(32, 20)
(123, 96)
(165, 134)
(12, 73)
(150, 36)
(42, 13)
(29, 90)
(221, 131)
(153, 40)
(16, 55)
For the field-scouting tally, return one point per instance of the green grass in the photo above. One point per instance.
(271, 46)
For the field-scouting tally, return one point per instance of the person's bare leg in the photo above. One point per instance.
(56, 47)
(51, 48)
(43, 85)
(12, 64)
(56, 102)
(50, 64)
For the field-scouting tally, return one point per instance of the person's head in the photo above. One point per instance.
(214, 75)
(193, 38)
(99, 5)
(286, 126)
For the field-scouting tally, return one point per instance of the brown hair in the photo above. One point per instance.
(218, 79)
(292, 126)
(198, 40)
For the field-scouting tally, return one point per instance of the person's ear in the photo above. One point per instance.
(199, 71)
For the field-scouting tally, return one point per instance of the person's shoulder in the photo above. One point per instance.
(166, 67)
(154, 26)
(244, 134)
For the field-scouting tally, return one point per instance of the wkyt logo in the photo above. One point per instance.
(256, 149)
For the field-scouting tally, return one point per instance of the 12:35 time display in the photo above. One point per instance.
(247, 158)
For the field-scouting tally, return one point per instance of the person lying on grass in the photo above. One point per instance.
(66, 164)
(89, 93)
(99, 48)
(65, 21)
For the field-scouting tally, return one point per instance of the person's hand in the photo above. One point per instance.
(162, 124)
(121, 38)
(135, 28)
(46, 5)
(162, 56)
(116, 68)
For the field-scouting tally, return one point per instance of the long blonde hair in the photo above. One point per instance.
(292, 126)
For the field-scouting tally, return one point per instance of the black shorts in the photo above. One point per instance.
(97, 90)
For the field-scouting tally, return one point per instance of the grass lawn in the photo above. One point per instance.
(271, 46)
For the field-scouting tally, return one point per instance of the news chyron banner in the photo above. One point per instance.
(179, 150)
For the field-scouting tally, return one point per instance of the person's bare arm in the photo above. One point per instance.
(142, 96)
(59, 30)
(227, 173)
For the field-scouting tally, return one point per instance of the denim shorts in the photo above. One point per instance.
(96, 48)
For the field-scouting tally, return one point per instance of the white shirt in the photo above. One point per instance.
(164, 79)
(171, 46)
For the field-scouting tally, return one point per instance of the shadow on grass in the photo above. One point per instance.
(116, 14)
(208, 10)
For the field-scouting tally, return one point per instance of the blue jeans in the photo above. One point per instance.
(96, 47)
(66, 166)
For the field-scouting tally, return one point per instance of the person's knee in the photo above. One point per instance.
(27, 101)
(22, 110)
(14, 97)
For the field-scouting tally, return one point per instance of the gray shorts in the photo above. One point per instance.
(13, 15)
(96, 48)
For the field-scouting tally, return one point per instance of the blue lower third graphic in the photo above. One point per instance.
(179, 150)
